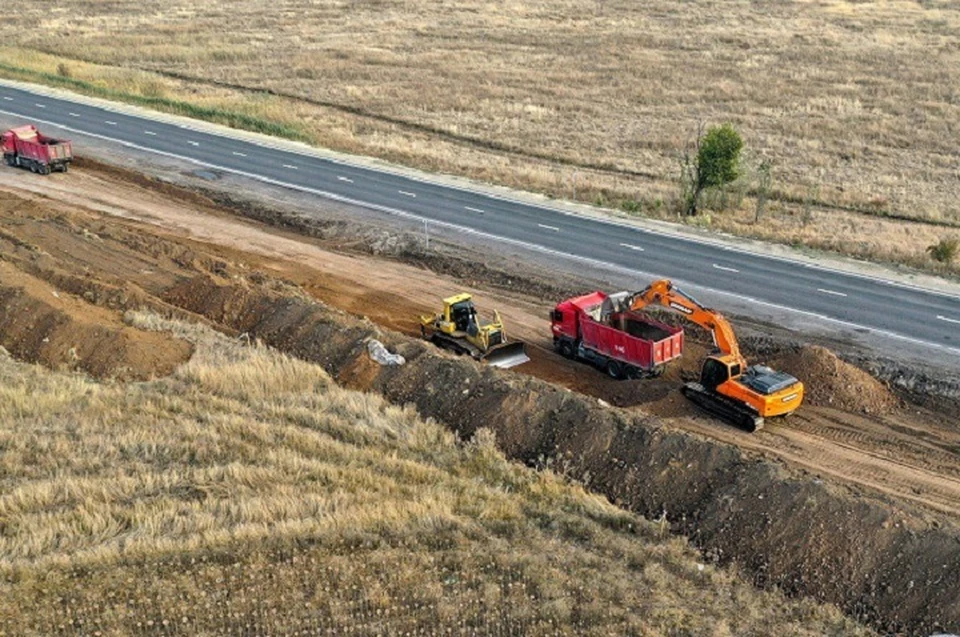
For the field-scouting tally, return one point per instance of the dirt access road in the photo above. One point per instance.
(852, 429)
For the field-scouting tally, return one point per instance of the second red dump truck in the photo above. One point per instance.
(624, 344)
(27, 147)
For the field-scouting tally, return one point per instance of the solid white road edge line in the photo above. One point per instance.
(487, 235)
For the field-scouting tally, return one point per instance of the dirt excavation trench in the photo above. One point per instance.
(855, 500)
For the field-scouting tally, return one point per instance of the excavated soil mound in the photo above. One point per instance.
(831, 382)
(42, 325)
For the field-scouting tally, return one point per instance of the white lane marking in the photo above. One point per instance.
(546, 227)
(290, 166)
(239, 154)
(725, 268)
(193, 143)
(346, 179)
(9, 99)
(632, 247)
(40, 105)
(404, 192)
(74, 114)
(472, 209)
(948, 320)
(107, 121)
(833, 292)
(489, 235)
(148, 132)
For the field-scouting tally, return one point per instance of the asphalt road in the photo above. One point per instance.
(850, 301)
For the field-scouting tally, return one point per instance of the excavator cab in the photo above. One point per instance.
(717, 370)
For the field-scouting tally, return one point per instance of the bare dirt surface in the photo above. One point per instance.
(80, 249)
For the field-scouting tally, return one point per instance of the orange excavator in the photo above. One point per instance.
(741, 395)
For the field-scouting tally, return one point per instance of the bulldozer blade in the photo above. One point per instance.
(507, 356)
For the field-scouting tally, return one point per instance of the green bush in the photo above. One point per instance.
(945, 251)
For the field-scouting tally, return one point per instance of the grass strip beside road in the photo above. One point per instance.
(225, 117)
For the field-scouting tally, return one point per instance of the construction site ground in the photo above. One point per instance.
(78, 249)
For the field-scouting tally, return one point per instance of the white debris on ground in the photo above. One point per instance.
(380, 354)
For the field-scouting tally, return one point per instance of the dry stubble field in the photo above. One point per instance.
(248, 494)
(855, 103)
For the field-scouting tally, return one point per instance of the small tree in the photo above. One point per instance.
(945, 250)
(717, 163)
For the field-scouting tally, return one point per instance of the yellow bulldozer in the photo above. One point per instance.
(458, 328)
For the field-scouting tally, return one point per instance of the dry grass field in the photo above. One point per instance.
(248, 494)
(855, 103)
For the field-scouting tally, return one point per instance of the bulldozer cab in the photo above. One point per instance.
(463, 315)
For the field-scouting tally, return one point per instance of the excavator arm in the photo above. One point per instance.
(665, 294)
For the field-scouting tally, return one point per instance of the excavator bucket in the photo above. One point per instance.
(507, 356)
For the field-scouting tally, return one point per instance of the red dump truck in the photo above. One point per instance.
(26, 146)
(624, 344)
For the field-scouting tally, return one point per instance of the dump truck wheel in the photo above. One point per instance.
(613, 370)
(566, 349)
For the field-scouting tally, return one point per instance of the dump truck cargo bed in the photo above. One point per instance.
(624, 344)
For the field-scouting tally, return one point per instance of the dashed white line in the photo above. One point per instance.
(290, 166)
(107, 121)
(193, 143)
(948, 320)
(546, 227)
(404, 192)
(631, 247)
(9, 99)
(148, 132)
(833, 292)
(346, 179)
(74, 114)
(725, 268)
(40, 105)
(239, 154)
(471, 209)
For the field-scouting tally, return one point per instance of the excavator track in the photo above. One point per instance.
(729, 410)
